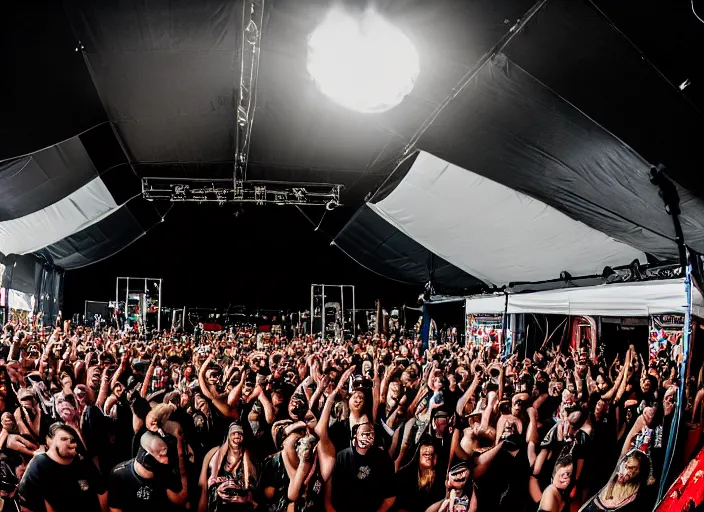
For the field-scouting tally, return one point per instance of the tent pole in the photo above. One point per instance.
(425, 328)
(158, 314)
(312, 300)
(504, 325)
(671, 198)
(342, 307)
(354, 316)
(127, 300)
(674, 428)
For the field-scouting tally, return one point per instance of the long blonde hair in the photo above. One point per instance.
(426, 476)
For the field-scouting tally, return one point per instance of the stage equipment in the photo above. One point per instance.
(97, 307)
(138, 300)
(197, 190)
(178, 319)
(238, 189)
(328, 312)
(362, 62)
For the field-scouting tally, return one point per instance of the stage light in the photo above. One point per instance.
(362, 62)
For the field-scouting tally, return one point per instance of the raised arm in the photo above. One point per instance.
(148, 377)
(462, 402)
(235, 395)
(376, 389)
(207, 390)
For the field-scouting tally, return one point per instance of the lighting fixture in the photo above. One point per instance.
(363, 63)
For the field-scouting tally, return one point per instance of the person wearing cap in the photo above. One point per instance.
(460, 496)
(441, 433)
(227, 475)
(422, 480)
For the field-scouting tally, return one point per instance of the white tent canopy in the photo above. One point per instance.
(20, 301)
(492, 232)
(619, 299)
(486, 304)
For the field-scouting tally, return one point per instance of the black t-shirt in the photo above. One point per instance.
(504, 486)
(66, 487)
(579, 447)
(130, 492)
(362, 482)
(413, 498)
(340, 434)
(274, 475)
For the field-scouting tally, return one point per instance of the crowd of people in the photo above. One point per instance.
(122, 421)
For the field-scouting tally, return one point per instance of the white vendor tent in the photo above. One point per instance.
(617, 300)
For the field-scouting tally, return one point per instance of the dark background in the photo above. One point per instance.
(259, 256)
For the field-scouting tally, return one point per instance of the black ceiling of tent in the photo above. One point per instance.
(167, 75)
(165, 71)
(297, 128)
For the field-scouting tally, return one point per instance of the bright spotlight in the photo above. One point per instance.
(362, 63)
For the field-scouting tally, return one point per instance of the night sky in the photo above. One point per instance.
(264, 257)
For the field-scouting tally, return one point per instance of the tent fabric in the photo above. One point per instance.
(479, 304)
(52, 197)
(29, 275)
(39, 180)
(382, 248)
(572, 48)
(622, 299)
(167, 74)
(19, 300)
(617, 300)
(73, 213)
(104, 238)
(19, 273)
(519, 133)
(538, 118)
(492, 232)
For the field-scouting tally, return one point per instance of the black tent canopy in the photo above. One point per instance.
(547, 99)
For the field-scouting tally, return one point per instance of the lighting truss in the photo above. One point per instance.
(180, 190)
(249, 50)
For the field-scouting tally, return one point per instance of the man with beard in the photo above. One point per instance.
(227, 475)
(363, 478)
(146, 482)
(59, 480)
(627, 489)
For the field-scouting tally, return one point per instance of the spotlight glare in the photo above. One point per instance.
(364, 64)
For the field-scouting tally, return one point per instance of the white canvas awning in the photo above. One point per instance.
(486, 304)
(492, 232)
(20, 301)
(619, 299)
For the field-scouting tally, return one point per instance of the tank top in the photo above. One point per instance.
(224, 487)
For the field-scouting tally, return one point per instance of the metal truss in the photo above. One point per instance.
(184, 190)
(238, 189)
(249, 51)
